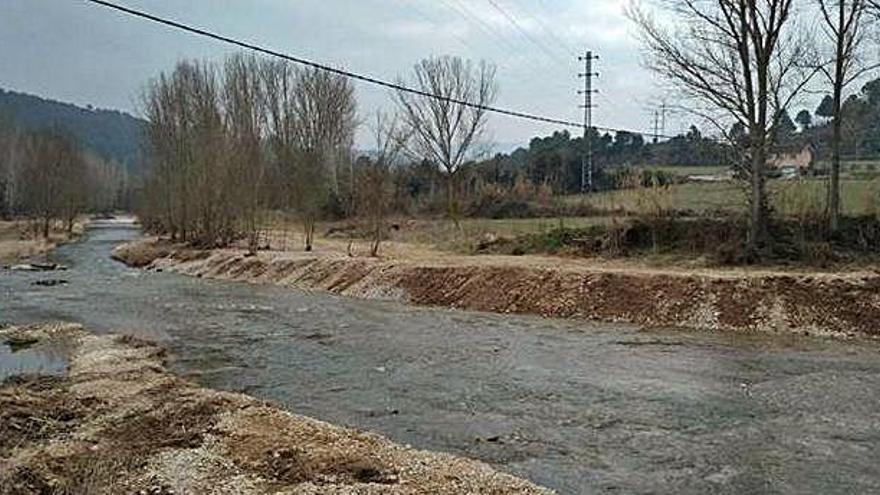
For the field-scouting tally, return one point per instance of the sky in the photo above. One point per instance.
(74, 51)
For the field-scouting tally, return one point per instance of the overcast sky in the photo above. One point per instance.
(74, 51)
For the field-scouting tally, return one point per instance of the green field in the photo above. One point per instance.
(793, 197)
(683, 171)
(787, 197)
(441, 232)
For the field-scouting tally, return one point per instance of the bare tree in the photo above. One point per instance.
(444, 130)
(76, 185)
(7, 154)
(846, 24)
(311, 122)
(51, 180)
(740, 61)
(376, 186)
(279, 84)
(218, 132)
(246, 120)
(201, 130)
(211, 211)
(107, 184)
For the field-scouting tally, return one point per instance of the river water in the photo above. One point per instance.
(577, 406)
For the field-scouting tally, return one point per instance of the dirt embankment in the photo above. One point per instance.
(815, 304)
(118, 422)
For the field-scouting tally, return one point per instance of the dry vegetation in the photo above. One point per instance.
(119, 423)
(20, 240)
(47, 181)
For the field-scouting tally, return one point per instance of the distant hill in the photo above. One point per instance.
(113, 135)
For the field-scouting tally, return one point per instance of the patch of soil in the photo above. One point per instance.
(176, 422)
(35, 408)
(298, 466)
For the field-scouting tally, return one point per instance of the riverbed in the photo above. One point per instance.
(579, 406)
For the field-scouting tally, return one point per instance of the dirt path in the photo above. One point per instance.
(118, 422)
(423, 254)
(840, 304)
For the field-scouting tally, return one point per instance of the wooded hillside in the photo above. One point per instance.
(110, 134)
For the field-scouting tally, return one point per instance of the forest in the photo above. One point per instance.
(46, 178)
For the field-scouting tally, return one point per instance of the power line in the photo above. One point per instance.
(550, 32)
(527, 36)
(415, 8)
(506, 45)
(510, 44)
(342, 72)
(515, 23)
(466, 14)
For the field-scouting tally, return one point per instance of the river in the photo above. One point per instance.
(578, 406)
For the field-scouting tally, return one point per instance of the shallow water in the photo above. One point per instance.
(582, 407)
(39, 359)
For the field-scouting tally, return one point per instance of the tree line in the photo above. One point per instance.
(232, 141)
(46, 177)
(860, 125)
(555, 160)
(743, 64)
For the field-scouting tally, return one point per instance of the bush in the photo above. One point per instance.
(627, 177)
(333, 208)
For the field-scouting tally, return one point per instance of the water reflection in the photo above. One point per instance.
(21, 358)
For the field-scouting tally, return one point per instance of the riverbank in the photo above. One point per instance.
(117, 421)
(18, 243)
(845, 304)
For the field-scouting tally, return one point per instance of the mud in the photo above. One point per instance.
(118, 422)
(809, 304)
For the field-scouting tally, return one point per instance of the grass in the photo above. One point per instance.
(696, 170)
(698, 197)
(20, 240)
(515, 226)
(794, 198)
(859, 197)
(13, 245)
(442, 233)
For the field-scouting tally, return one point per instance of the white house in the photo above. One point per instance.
(799, 158)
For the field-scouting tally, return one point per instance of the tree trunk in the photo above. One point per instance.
(758, 136)
(452, 201)
(836, 138)
(309, 228)
(377, 236)
(758, 213)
